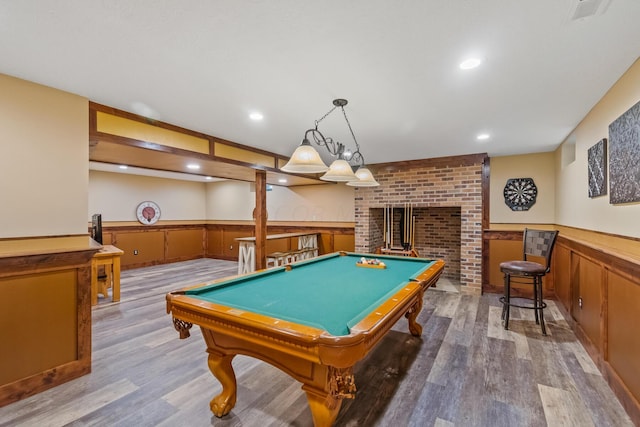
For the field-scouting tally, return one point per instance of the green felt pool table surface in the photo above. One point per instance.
(329, 292)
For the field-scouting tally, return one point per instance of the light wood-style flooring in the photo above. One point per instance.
(465, 370)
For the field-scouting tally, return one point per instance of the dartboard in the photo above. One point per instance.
(520, 193)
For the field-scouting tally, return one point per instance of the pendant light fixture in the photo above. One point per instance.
(305, 159)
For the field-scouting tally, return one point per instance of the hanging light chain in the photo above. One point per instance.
(336, 148)
(325, 116)
(356, 155)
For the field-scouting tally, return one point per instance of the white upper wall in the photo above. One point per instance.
(230, 200)
(234, 200)
(574, 208)
(44, 159)
(116, 196)
(324, 202)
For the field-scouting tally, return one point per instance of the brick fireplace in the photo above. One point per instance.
(447, 198)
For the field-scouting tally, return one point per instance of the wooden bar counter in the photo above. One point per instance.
(247, 248)
(45, 313)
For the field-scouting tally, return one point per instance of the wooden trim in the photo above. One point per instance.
(600, 233)
(115, 125)
(84, 319)
(438, 162)
(338, 228)
(629, 402)
(314, 224)
(93, 106)
(486, 204)
(95, 136)
(624, 266)
(260, 216)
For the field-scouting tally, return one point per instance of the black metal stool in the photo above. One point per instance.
(536, 243)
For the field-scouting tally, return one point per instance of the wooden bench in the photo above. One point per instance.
(276, 259)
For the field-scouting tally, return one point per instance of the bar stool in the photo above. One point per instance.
(536, 243)
(276, 259)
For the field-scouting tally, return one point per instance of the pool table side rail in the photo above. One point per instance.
(306, 342)
(234, 279)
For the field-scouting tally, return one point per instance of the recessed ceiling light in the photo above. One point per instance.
(123, 166)
(282, 180)
(482, 136)
(208, 178)
(470, 63)
(193, 166)
(256, 116)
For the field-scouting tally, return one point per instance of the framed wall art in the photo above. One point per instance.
(624, 157)
(597, 166)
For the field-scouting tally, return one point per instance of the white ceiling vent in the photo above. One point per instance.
(581, 9)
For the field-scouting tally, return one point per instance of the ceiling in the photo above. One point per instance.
(206, 65)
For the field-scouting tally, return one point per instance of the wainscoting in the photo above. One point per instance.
(595, 277)
(464, 371)
(166, 243)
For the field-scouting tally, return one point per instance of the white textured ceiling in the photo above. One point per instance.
(205, 65)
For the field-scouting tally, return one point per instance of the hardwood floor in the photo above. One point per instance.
(465, 370)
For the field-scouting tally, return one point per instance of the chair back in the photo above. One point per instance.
(539, 243)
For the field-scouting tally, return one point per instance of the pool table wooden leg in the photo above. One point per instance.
(220, 366)
(326, 391)
(324, 407)
(414, 327)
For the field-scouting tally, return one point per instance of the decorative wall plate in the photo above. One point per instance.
(520, 193)
(148, 213)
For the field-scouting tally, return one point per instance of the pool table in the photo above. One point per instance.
(313, 319)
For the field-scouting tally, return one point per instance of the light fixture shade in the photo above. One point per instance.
(305, 160)
(339, 171)
(365, 178)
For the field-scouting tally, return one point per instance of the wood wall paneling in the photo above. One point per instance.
(38, 314)
(221, 241)
(185, 244)
(230, 245)
(214, 243)
(562, 278)
(160, 244)
(325, 243)
(506, 246)
(501, 251)
(623, 339)
(148, 244)
(45, 313)
(343, 242)
(588, 300)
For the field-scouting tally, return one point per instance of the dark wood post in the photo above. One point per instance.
(260, 216)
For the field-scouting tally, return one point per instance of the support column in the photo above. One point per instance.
(260, 216)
